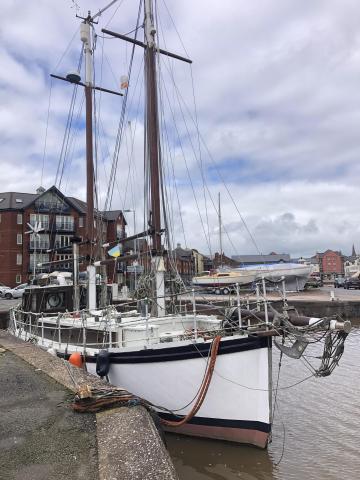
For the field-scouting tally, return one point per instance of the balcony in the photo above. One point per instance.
(58, 245)
(65, 226)
(40, 245)
(46, 269)
(45, 207)
(44, 225)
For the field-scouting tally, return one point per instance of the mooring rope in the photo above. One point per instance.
(203, 390)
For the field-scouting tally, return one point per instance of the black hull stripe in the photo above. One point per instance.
(224, 423)
(183, 352)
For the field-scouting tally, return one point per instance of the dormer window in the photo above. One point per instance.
(18, 200)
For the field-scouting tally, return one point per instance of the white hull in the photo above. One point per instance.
(222, 281)
(229, 412)
(167, 369)
(295, 275)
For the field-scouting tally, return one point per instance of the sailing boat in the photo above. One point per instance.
(223, 278)
(205, 375)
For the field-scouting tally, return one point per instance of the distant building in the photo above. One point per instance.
(61, 219)
(189, 262)
(331, 264)
(222, 260)
(352, 264)
(244, 260)
(313, 261)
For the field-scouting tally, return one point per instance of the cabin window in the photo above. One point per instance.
(19, 259)
(19, 239)
(223, 275)
(18, 279)
(19, 219)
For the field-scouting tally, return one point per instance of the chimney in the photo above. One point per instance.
(178, 245)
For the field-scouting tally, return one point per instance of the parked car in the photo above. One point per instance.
(339, 282)
(3, 289)
(313, 282)
(16, 292)
(352, 283)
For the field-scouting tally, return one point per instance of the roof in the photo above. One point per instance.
(77, 204)
(8, 200)
(321, 254)
(277, 257)
(182, 252)
(112, 215)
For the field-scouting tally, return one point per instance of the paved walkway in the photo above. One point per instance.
(42, 439)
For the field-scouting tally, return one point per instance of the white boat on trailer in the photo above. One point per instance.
(223, 278)
(295, 275)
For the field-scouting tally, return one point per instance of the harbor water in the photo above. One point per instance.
(316, 432)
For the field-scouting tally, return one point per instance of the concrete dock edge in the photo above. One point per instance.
(129, 445)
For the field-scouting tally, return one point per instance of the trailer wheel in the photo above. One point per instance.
(226, 291)
(217, 291)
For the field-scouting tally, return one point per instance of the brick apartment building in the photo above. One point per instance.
(331, 264)
(61, 219)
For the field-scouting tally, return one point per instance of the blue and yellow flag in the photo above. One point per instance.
(114, 252)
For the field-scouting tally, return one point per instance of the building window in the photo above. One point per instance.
(18, 200)
(62, 241)
(0, 217)
(39, 241)
(64, 222)
(18, 279)
(38, 258)
(64, 266)
(81, 221)
(19, 239)
(19, 219)
(18, 259)
(39, 218)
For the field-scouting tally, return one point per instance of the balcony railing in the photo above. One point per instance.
(39, 269)
(58, 245)
(44, 225)
(51, 207)
(45, 245)
(65, 226)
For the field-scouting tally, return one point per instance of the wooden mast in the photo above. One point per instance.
(153, 155)
(152, 125)
(85, 34)
(86, 39)
(152, 146)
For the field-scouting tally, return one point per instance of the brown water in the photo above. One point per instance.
(320, 419)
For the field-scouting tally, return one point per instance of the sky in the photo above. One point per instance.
(268, 115)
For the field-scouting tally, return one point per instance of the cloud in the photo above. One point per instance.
(277, 104)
